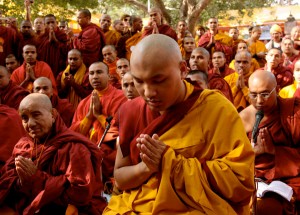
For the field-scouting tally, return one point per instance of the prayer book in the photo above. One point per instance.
(278, 187)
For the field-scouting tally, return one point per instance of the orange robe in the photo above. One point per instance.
(112, 37)
(9, 118)
(131, 42)
(41, 69)
(12, 95)
(258, 47)
(114, 78)
(68, 172)
(111, 99)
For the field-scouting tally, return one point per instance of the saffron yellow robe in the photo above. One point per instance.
(207, 136)
(288, 91)
(112, 37)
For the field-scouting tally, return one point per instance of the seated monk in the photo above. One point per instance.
(66, 111)
(110, 58)
(200, 77)
(219, 65)
(11, 63)
(238, 81)
(156, 26)
(199, 61)
(188, 45)
(166, 166)
(53, 170)
(283, 74)
(9, 118)
(128, 87)
(32, 69)
(289, 55)
(242, 46)
(123, 66)
(92, 112)
(276, 147)
(73, 83)
(10, 93)
(292, 90)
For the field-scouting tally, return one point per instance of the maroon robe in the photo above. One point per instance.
(68, 173)
(64, 108)
(12, 95)
(162, 29)
(223, 71)
(215, 81)
(8, 43)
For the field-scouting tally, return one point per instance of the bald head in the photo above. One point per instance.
(4, 77)
(199, 59)
(261, 76)
(43, 85)
(36, 99)
(202, 51)
(75, 51)
(243, 53)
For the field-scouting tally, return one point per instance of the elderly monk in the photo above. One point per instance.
(200, 77)
(242, 46)
(276, 33)
(92, 112)
(199, 61)
(283, 74)
(219, 65)
(123, 66)
(53, 170)
(31, 69)
(257, 48)
(214, 40)
(90, 40)
(39, 26)
(73, 83)
(156, 25)
(238, 81)
(10, 93)
(111, 36)
(292, 90)
(9, 118)
(162, 162)
(11, 63)
(128, 86)
(66, 111)
(276, 150)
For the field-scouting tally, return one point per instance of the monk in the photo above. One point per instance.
(118, 25)
(156, 25)
(11, 63)
(31, 69)
(292, 90)
(188, 45)
(295, 36)
(53, 170)
(276, 34)
(242, 46)
(284, 75)
(73, 83)
(278, 137)
(234, 34)
(163, 164)
(39, 26)
(10, 93)
(90, 40)
(93, 111)
(181, 28)
(66, 111)
(110, 59)
(123, 66)
(200, 61)
(9, 118)
(214, 40)
(289, 57)
(128, 87)
(111, 36)
(200, 77)
(257, 48)
(8, 43)
(219, 65)
(128, 41)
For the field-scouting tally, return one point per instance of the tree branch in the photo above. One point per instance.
(138, 4)
(161, 5)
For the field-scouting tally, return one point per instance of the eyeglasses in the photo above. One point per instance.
(263, 95)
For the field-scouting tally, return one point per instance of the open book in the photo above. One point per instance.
(278, 187)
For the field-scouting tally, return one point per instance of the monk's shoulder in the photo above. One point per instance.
(213, 99)
(248, 116)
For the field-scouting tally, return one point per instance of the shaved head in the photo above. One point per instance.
(263, 76)
(37, 99)
(243, 53)
(43, 85)
(203, 51)
(75, 51)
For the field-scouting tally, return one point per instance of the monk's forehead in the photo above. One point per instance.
(155, 10)
(127, 78)
(26, 23)
(4, 72)
(29, 48)
(42, 82)
(106, 17)
(122, 62)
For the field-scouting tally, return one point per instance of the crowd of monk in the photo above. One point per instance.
(159, 120)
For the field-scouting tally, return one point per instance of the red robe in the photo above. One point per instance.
(90, 42)
(68, 173)
(53, 53)
(41, 69)
(284, 129)
(64, 108)
(28, 40)
(223, 71)
(12, 95)
(215, 81)
(162, 29)
(8, 43)
(110, 102)
(11, 130)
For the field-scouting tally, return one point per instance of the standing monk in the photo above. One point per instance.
(111, 36)
(257, 48)
(166, 166)
(90, 40)
(8, 43)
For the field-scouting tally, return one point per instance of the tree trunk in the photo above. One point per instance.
(194, 13)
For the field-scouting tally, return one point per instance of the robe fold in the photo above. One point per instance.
(68, 173)
(162, 29)
(223, 71)
(9, 118)
(90, 42)
(12, 95)
(215, 81)
(111, 100)
(41, 69)
(199, 173)
(64, 108)
(112, 37)
(289, 91)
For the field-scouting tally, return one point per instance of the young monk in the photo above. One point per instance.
(166, 166)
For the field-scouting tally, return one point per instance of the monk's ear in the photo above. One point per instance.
(183, 69)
